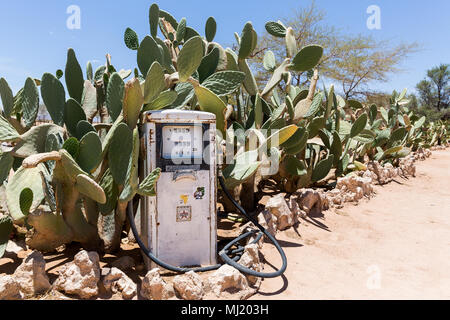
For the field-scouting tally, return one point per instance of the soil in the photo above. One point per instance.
(394, 246)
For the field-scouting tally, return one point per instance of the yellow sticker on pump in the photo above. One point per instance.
(185, 198)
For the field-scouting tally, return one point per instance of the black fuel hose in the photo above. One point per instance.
(224, 252)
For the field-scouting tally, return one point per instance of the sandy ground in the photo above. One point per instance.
(395, 246)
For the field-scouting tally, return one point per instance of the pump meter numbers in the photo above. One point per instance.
(182, 142)
(184, 213)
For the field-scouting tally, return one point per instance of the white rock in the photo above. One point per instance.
(295, 208)
(227, 279)
(408, 167)
(358, 194)
(153, 287)
(268, 221)
(348, 197)
(251, 227)
(116, 281)
(189, 286)
(357, 186)
(31, 276)
(250, 259)
(124, 263)
(370, 175)
(16, 246)
(335, 198)
(338, 202)
(9, 288)
(325, 201)
(378, 170)
(278, 207)
(309, 201)
(81, 276)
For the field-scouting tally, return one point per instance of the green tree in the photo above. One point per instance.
(309, 28)
(361, 61)
(434, 91)
(355, 61)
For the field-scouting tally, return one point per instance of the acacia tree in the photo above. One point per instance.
(309, 28)
(355, 61)
(362, 61)
(435, 90)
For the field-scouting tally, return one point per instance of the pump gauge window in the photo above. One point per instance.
(182, 142)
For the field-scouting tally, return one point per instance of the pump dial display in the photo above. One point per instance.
(182, 142)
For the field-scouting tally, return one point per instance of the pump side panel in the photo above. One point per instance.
(184, 219)
(148, 204)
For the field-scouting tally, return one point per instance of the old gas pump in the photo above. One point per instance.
(179, 224)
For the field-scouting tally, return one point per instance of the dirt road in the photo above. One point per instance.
(395, 246)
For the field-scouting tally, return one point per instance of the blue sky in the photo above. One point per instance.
(34, 37)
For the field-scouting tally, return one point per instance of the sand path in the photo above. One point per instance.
(395, 246)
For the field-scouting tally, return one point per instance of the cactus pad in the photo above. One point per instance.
(120, 152)
(74, 76)
(25, 201)
(190, 58)
(89, 155)
(276, 29)
(7, 131)
(33, 141)
(210, 29)
(89, 100)
(132, 102)
(72, 145)
(322, 169)
(7, 97)
(90, 188)
(50, 231)
(70, 166)
(73, 113)
(148, 186)
(154, 82)
(6, 228)
(246, 43)
(111, 191)
(83, 128)
(114, 95)
(53, 94)
(148, 53)
(22, 179)
(307, 58)
(131, 39)
(224, 82)
(30, 102)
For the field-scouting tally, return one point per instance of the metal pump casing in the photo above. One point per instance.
(179, 224)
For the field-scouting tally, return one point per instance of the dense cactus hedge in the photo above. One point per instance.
(72, 180)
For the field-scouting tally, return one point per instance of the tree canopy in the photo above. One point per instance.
(434, 91)
(355, 61)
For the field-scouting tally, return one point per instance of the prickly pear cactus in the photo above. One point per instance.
(72, 180)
